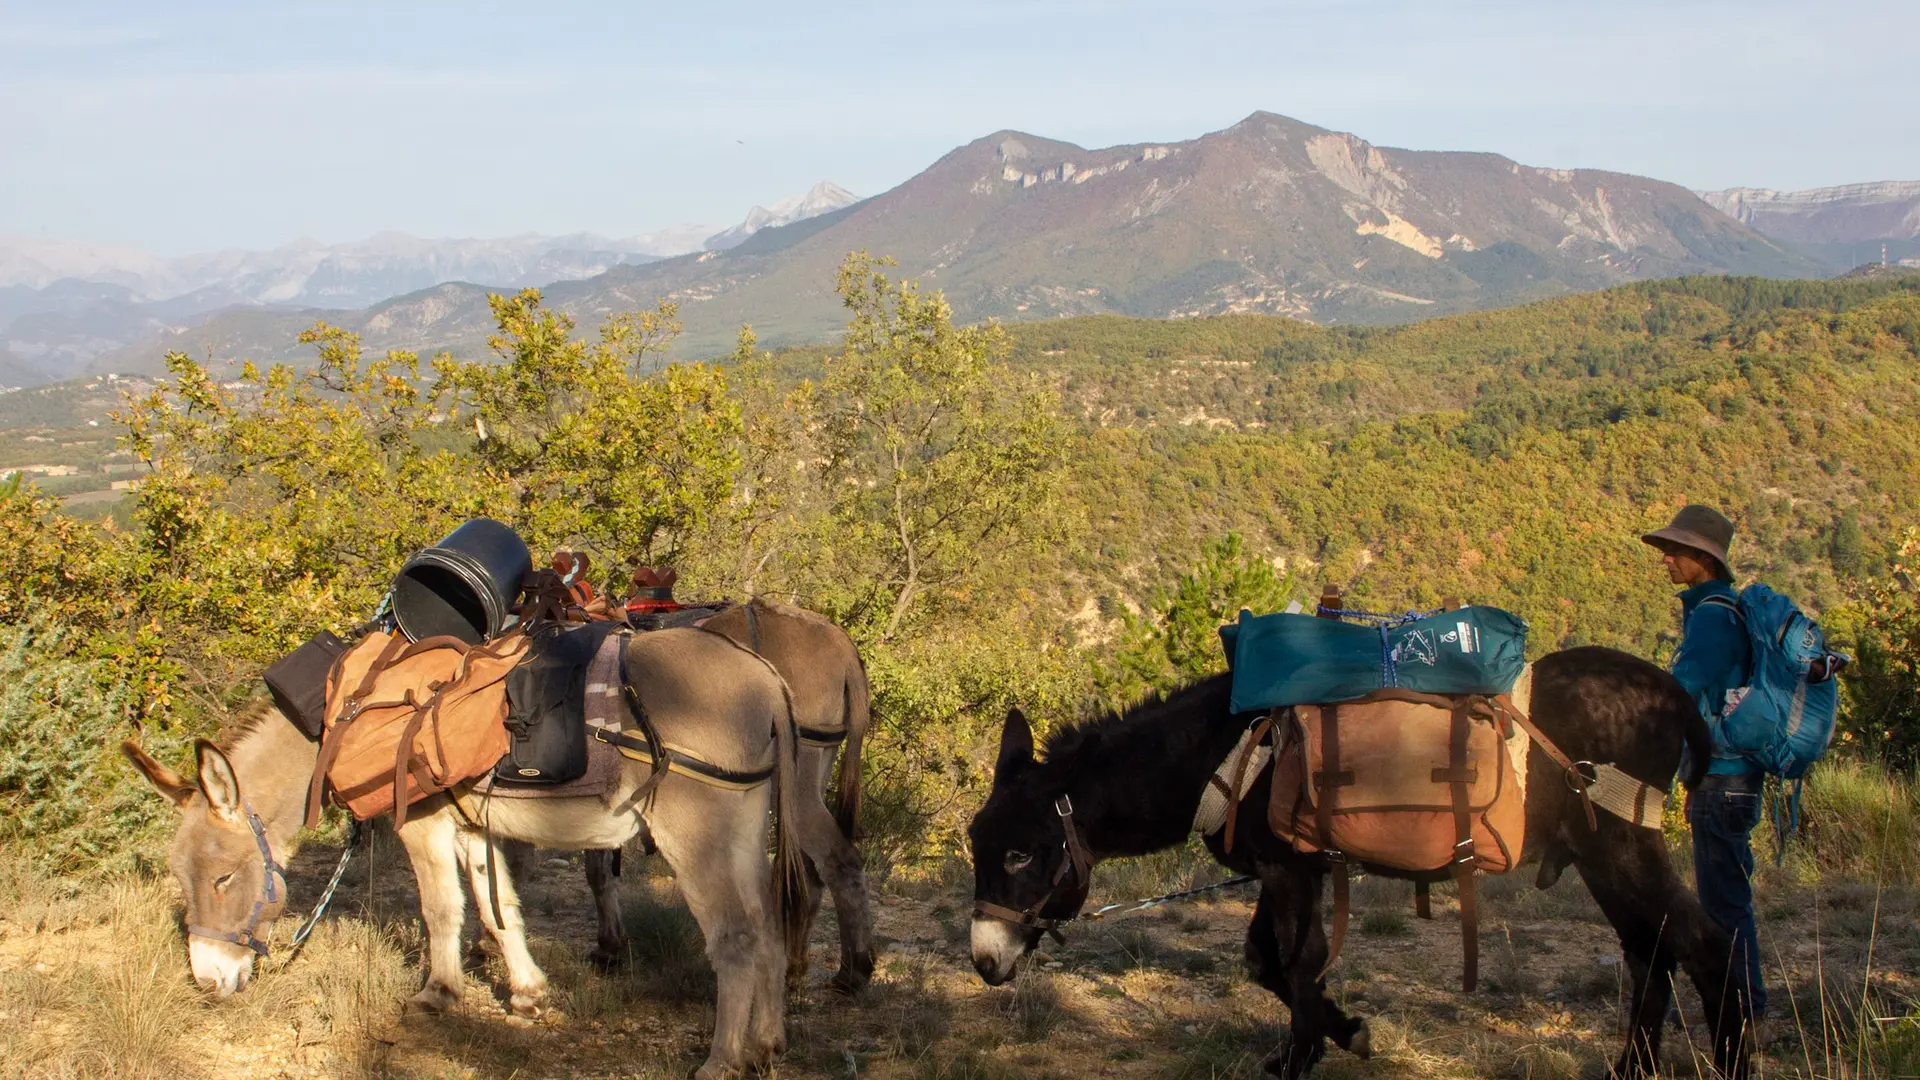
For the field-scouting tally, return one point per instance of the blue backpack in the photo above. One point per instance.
(1783, 719)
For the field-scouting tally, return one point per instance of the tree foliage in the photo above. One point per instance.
(984, 507)
(1177, 639)
(934, 448)
(591, 451)
(1882, 719)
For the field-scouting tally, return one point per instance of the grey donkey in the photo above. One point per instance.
(832, 705)
(706, 695)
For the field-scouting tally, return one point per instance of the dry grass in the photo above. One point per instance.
(1159, 994)
(73, 1009)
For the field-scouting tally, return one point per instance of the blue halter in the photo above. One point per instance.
(275, 875)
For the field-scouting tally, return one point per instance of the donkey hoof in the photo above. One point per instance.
(1361, 1045)
(850, 980)
(713, 1070)
(528, 1006)
(765, 1053)
(1290, 1061)
(434, 998)
(482, 950)
(607, 959)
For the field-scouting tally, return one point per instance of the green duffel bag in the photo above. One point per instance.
(1285, 659)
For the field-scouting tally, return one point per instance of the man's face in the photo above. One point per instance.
(1685, 566)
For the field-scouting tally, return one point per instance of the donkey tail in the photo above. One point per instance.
(1699, 740)
(789, 862)
(858, 700)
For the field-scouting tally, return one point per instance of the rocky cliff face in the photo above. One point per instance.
(1849, 214)
(1849, 226)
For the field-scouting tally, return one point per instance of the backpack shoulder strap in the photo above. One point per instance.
(1726, 602)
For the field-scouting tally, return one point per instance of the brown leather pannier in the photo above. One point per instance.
(1390, 796)
(408, 719)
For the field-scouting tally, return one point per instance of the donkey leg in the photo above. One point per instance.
(834, 857)
(526, 983)
(1266, 962)
(1292, 896)
(433, 847)
(712, 838)
(611, 949)
(1659, 921)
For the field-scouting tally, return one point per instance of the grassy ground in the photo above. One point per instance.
(93, 983)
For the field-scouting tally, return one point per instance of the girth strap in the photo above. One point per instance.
(1328, 782)
(1457, 776)
(680, 761)
(821, 737)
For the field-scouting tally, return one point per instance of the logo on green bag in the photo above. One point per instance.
(1416, 648)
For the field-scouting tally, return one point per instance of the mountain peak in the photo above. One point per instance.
(822, 198)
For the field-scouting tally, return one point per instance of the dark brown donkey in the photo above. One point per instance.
(831, 706)
(1130, 783)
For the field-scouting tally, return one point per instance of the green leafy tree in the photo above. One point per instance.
(935, 451)
(1178, 640)
(279, 503)
(593, 451)
(1882, 718)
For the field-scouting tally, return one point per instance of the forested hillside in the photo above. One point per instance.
(1509, 456)
(1052, 515)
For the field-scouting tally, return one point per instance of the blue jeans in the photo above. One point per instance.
(1722, 818)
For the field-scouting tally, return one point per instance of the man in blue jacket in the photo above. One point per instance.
(1715, 658)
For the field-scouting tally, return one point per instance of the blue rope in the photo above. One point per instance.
(1386, 622)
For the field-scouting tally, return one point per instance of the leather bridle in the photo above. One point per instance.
(276, 876)
(1075, 872)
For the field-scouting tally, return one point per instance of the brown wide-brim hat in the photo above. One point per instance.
(1699, 527)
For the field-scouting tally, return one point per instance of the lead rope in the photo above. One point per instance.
(326, 898)
(1129, 907)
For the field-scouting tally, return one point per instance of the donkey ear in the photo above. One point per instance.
(176, 788)
(222, 788)
(1016, 745)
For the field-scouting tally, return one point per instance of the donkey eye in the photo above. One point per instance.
(222, 881)
(1017, 860)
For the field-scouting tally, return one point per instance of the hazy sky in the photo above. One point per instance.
(184, 126)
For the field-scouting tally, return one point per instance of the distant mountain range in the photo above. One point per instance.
(1270, 215)
(1844, 226)
(62, 304)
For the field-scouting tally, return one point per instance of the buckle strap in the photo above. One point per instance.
(244, 937)
(1018, 918)
(1457, 776)
(1576, 779)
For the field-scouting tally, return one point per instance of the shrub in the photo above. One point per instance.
(68, 800)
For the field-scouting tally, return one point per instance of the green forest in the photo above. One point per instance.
(1052, 514)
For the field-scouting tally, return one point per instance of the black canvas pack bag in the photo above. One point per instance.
(546, 705)
(298, 681)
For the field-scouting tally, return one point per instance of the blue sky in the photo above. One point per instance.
(181, 127)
